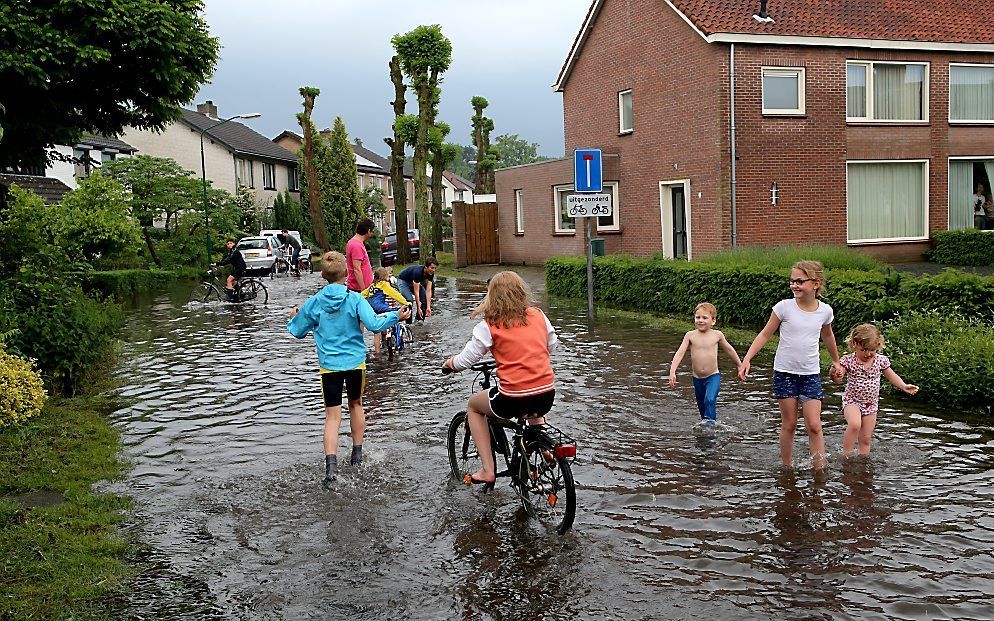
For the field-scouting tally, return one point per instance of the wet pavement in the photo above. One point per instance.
(223, 429)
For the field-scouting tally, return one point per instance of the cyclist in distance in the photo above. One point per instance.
(521, 339)
(416, 283)
(289, 241)
(237, 262)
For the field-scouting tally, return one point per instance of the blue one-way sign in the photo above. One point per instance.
(587, 172)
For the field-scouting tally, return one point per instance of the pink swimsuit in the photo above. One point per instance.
(863, 383)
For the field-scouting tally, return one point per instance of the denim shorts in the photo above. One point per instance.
(793, 386)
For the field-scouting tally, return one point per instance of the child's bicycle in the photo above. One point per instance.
(246, 290)
(537, 460)
(398, 337)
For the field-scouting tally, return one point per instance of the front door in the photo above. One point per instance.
(679, 220)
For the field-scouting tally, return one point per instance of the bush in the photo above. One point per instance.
(970, 247)
(122, 283)
(93, 220)
(952, 291)
(832, 257)
(951, 358)
(22, 393)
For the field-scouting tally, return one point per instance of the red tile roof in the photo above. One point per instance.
(953, 21)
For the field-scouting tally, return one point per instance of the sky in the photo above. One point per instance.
(508, 51)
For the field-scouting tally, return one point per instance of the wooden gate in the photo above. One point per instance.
(482, 241)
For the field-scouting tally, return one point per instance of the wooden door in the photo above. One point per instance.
(482, 242)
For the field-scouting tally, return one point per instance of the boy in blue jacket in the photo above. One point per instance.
(334, 315)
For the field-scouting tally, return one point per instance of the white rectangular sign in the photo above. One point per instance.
(588, 205)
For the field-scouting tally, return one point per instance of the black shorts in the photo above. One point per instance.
(531, 406)
(237, 272)
(331, 386)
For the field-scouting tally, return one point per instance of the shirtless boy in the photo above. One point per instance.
(703, 343)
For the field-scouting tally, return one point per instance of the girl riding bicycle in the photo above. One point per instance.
(379, 294)
(521, 340)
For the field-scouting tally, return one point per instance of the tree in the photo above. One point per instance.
(371, 203)
(424, 54)
(68, 68)
(461, 164)
(311, 136)
(396, 144)
(343, 185)
(442, 153)
(287, 213)
(486, 155)
(514, 151)
(93, 221)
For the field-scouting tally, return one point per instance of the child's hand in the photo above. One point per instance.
(404, 313)
(672, 378)
(744, 370)
(293, 312)
(911, 389)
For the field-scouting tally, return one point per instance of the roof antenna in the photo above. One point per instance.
(763, 17)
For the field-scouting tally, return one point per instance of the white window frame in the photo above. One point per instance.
(868, 119)
(292, 179)
(268, 176)
(890, 240)
(246, 165)
(799, 73)
(519, 212)
(621, 113)
(963, 158)
(609, 186)
(953, 121)
(389, 188)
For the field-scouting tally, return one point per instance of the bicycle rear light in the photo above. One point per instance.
(552, 499)
(563, 451)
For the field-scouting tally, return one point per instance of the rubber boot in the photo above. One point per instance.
(230, 294)
(356, 455)
(330, 471)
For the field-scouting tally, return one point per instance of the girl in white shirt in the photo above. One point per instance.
(802, 321)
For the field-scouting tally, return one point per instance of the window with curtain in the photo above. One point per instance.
(245, 177)
(783, 90)
(970, 194)
(625, 111)
(564, 224)
(268, 176)
(877, 91)
(519, 212)
(886, 201)
(971, 92)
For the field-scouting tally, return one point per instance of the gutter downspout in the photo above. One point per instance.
(731, 72)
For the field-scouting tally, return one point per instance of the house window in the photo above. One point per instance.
(107, 156)
(565, 224)
(884, 91)
(268, 176)
(887, 201)
(971, 93)
(389, 188)
(292, 181)
(625, 111)
(359, 181)
(245, 177)
(970, 202)
(783, 90)
(519, 212)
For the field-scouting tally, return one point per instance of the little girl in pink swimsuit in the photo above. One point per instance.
(863, 368)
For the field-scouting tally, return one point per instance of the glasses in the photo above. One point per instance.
(800, 281)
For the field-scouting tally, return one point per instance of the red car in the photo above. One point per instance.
(388, 249)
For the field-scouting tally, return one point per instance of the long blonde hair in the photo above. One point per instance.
(813, 269)
(507, 301)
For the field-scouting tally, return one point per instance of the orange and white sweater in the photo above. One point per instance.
(522, 354)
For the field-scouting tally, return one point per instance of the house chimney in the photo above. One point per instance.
(763, 17)
(208, 108)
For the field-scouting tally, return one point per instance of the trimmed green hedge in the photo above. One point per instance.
(122, 283)
(969, 247)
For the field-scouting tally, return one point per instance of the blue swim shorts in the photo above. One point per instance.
(793, 386)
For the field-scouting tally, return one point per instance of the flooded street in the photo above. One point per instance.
(223, 423)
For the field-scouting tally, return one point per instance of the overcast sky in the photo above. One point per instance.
(509, 51)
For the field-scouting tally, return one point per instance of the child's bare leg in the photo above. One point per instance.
(332, 421)
(376, 343)
(477, 410)
(853, 422)
(788, 425)
(866, 433)
(811, 410)
(357, 422)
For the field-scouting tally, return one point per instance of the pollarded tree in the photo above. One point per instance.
(397, 157)
(342, 187)
(486, 155)
(311, 141)
(424, 54)
(68, 68)
(442, 154)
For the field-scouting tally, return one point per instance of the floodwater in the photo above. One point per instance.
(223, 428)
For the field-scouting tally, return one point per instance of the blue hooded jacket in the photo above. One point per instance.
(333, 314)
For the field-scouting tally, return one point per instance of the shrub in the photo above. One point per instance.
(970, 247)
(122, 283)
(832, 257)
(93, 220)
(951, 358)
(22, 393)
(952, 291)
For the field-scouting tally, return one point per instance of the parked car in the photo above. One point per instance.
(305, 252)
(259, 252)
(388, 249)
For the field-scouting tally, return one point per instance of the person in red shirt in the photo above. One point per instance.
(360, 274)
(521, 339)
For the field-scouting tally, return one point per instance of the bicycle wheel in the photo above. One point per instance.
(390, 343)
(253, 290)
(204, 293)
(407, 335)
(550, 495)
(463, 457)
(303, 265)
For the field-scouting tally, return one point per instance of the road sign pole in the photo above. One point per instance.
(590, 271)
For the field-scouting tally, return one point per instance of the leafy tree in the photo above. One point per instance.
(461, 164)
(248, 210)
(287, 213)
(442, 153)
(93, 220)
(514, 151)
(424, 54)
(26, 233)
(68, 68)
(371, 203)
(397, 157)
(312, 140)
(342, 187)
(486, 155)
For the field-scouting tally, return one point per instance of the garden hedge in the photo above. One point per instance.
(122, 283)
(970, 247)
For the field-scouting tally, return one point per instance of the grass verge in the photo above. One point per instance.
(57, 561)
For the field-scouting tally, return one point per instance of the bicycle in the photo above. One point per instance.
(398, 337)
(537, 460)
(246, 290)
(283, 265)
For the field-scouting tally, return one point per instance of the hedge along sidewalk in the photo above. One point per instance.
(970, 247)
(123, 283)
(60, 551)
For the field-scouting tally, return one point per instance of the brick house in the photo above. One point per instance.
(731, 123)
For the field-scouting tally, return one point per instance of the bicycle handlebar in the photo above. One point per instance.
(487, 366)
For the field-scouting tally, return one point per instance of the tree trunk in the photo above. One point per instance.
(425, 90)
(397, 165)
(151, 247)
(437, 166)
(317, 219)
(481, 174)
